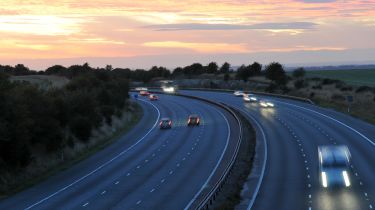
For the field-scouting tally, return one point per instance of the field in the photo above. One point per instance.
(352, 77)
(44, 81)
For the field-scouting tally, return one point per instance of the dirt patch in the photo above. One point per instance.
(230, 194)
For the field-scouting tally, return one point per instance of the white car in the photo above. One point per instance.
(334, 166)
(141, 88)
(266, 104)
(238, 93)
(249, 98)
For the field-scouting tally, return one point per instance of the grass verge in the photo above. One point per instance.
(137, 115)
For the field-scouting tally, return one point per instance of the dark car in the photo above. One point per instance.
(193, 120)
(165, 123)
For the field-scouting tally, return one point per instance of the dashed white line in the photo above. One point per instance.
(139, 202)
(138, 166)
(84, 205)
(183, 159)
(152, 190)
(370, 206)
(128, 174)
(146, 161)
(103, 192)
(162, 181)
(171, 172)
(153, 155)
(178, 165)
(310, 196)
(117, 182)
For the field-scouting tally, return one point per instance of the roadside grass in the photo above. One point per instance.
(355, 77)
(83, 154)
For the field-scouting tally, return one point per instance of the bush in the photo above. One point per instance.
(298, 84)
(319, 87)
(312, 95)
(338, 97)
(363, 89)
(327, 81)
(347, 88)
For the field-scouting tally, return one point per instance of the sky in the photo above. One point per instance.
(143, 33)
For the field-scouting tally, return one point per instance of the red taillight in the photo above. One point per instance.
(161, 123)
(170, 123)
(189, 120)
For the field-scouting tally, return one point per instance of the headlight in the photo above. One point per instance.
(324, 179)
(270, 104)
(253, 98)
(168, 89)
(346, 178)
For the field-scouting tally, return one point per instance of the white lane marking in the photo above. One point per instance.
(171, 172)
(138, 166)
(153, 155)
(178, 165)
(146, 161)
(103, 192)
(128, 174)
(139, 202)
(366, 194)
(103, 165)
(152, 190)
(264, 162)
(310, 196)
(117, 182)
(217, 164)
(337, 121)
(84, 205)
(370, 206)
(162, 181)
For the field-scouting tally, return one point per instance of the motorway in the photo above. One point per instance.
(147, 168)
(292, 132)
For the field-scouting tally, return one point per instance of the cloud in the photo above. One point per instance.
(199, 47)
(317, 1)
(259, 26)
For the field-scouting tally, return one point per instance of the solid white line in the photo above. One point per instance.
(264, 162)
(217, 164)
(337, 121)
(101, 166)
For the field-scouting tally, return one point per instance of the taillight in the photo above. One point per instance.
(161, 123)
(189, 120)
(198, 120)
(170, 123)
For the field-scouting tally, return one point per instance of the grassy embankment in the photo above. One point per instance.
(48, 166)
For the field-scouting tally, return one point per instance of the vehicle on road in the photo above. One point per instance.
(169, 89)
(165, 123)
(266, 104)
(334, 166)
(144, 93)
(249, 98)
(141, 88)
(193, 120)
(153, 97)
(238, 93)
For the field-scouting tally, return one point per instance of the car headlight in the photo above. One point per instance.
(346, 178)
(324, 179)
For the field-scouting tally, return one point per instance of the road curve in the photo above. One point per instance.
(146, 168)
(293, 131)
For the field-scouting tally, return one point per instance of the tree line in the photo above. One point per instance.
(35, 120)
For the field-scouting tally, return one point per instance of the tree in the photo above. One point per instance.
(299, 73)
(212, 68)
(243, 72)
(225, 68)
(256, 69)
(276, 73)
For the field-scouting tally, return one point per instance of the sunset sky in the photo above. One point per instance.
(141, 33)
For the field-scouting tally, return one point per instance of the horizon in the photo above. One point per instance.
(171, 34)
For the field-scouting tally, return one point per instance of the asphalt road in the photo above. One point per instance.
(147, 168)
(293, 131)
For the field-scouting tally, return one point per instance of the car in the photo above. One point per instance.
(334, 166)
(169, 89)
(153, 97)
(249, 98)
(141, 88)
(144, 93)
(238, 93)
(193, 120)
(266, 104)
(165, 123)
